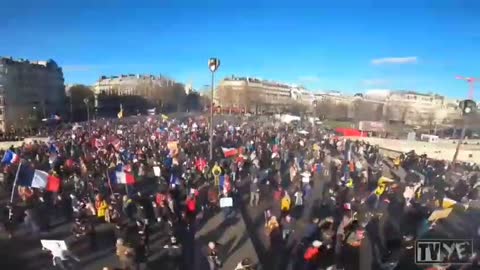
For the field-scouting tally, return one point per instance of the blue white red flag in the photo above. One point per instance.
(10, 157)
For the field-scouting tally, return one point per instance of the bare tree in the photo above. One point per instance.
(377, 112)
(298, 108)
(322, 108)
(79, 93)
(226, 96)
(430, 120)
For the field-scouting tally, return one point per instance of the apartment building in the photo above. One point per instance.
(29, 91)
(130, 84)
(257, 95)
(416, 108)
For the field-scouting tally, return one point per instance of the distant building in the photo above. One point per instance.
(125, 85)
(409, 107)
(419, 109)
(257, 95)
(188, 88)
(29, 91)
(377, 94)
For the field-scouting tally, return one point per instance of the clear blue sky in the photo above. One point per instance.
(341, 45)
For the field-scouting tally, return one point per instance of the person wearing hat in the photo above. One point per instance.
(214, 262)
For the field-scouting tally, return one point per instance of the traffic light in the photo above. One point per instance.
(468, 106)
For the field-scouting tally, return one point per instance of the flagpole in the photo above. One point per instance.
(126, 189)
(109, 182)
(15, 181)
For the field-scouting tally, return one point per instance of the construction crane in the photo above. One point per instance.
(471, 81)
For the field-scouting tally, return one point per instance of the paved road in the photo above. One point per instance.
(24, 252)
(457, 225)
(231, 236)
(279, 257)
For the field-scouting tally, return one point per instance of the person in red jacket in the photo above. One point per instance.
(191, 208)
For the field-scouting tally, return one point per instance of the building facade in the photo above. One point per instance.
(130, 85)
(29, 91)
(419, 109)
(257, 95)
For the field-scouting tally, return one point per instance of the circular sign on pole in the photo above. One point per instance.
(468, 106)
(213, 64)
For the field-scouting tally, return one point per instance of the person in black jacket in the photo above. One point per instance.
(174, 254)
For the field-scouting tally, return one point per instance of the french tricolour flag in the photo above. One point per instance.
(229, 152)
(124, 178)
(121, 176)
(29, 177)
(10, 157)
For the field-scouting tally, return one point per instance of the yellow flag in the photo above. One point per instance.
(120, 113)
(164, 117)
(350, 183)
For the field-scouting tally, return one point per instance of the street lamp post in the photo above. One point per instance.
(85, 100)
(34, 119)
(213, 64)
(468, 107)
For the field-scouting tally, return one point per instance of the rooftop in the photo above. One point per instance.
(134, 77)
(258, 80)
(10, 60)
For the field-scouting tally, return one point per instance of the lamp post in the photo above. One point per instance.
(85, 100)
(34, 118)
(213, 64)
(468, 107)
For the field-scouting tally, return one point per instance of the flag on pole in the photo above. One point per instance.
(121, 175)
(10, 157)
(229, 152)
(125, 178)
(40, 179)
(120, 113)
(30, 177)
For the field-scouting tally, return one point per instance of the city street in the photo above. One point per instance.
(25, 253)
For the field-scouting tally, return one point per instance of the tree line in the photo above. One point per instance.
(146, 96)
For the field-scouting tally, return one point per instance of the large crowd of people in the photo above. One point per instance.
(324, 194)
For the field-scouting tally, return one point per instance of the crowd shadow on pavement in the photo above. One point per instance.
(265, 259)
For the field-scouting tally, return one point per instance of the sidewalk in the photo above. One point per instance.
(231, 236)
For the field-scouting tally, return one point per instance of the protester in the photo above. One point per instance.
(139, 176)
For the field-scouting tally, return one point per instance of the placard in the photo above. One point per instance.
(156, 171)
(54, 244)
(226, 202)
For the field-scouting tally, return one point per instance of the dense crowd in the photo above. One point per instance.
(154, 174)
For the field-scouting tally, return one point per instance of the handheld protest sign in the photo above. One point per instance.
(226, 202)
